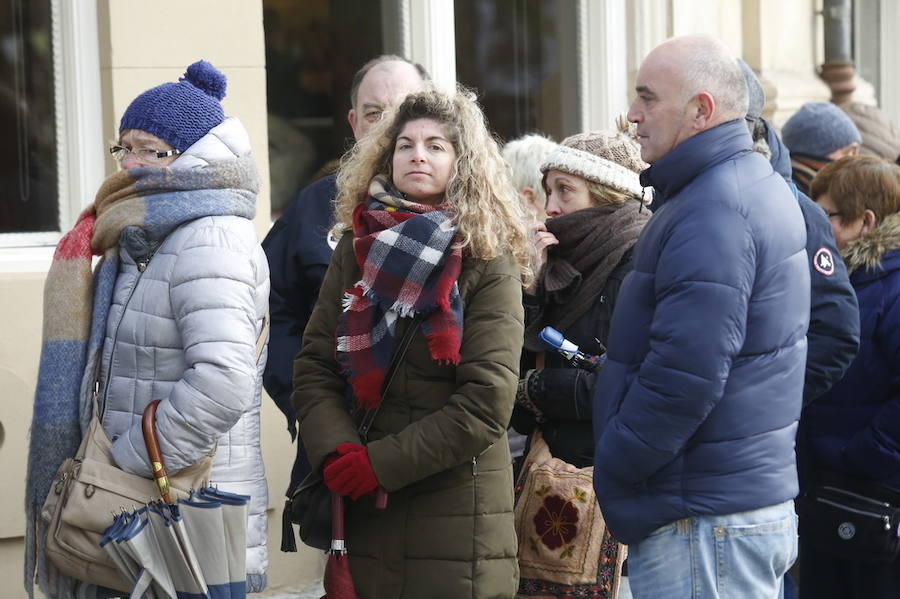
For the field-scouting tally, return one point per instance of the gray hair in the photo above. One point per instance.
(710, 67)
(525, 156)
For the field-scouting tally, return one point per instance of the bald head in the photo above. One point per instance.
(381, 83)
(685, 86)
(705, 64)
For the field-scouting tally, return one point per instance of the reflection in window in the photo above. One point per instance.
(313, 48)
(28, 174)
(516, 54)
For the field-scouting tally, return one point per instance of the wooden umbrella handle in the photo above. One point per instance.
(148, 426)
(381, 497)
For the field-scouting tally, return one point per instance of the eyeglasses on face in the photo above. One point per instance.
(143, 155)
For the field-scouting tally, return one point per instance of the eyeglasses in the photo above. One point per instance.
(832, 214)
(144, 155)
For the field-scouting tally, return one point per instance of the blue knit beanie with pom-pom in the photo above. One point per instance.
(180, 113)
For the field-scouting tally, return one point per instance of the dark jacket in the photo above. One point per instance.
(298, 252)
(565, 393)
(833, 336)
(696, 409)
(855, 427)
(438, 444)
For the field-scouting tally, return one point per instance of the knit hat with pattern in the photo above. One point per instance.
(818, 129)
(608, 157)
(182, 112)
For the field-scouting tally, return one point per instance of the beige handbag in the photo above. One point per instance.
(565, 548)
(90, 489)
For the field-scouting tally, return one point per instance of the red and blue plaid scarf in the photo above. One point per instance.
(410, 264)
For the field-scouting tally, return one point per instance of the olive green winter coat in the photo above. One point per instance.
(438, 445)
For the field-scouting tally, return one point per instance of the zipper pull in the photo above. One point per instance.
(474, 466)
(142, 266)
(887, 522)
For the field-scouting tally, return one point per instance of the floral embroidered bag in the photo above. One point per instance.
(564, 546)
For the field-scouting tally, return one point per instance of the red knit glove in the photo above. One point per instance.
(351, 474)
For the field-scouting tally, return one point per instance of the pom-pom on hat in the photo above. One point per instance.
(612, 158)
(180, 113)
(818, 129)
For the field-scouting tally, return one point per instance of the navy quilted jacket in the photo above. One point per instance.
(696, 410)
(855, 427)
(833, 336)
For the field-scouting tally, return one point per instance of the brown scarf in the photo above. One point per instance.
(591, 245)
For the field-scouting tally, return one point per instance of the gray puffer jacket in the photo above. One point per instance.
(183, 328)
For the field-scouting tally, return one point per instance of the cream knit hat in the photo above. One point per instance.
(608, 157)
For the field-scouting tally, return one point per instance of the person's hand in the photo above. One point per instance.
(351, 473)
(524, 400)
(541, 239)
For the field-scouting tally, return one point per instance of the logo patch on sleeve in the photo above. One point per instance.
(823, 261)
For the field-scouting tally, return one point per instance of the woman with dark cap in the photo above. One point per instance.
(172, 312)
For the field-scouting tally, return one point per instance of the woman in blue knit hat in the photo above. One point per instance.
(817, 134)
(173, 311)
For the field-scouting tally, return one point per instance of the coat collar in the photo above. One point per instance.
(696, 154)
(867, 257)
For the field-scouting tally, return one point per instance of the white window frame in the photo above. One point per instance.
(601, 27)
(889, 92)
(432, 39)
(79, 136)
(603, 62)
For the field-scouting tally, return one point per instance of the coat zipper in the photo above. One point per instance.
(883, 517)
(858, 497)
(116, 335)
(475, 459)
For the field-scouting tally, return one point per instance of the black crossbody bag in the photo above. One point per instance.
(850, 518)
(309, 503)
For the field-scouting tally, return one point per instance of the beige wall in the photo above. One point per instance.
(143, 44)
(780, 40)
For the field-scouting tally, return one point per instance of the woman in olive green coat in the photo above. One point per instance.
(436, 245)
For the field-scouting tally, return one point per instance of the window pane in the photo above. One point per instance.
(517, 54)
(28, 175)
(313, 48)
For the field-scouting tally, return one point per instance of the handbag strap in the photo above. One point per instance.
(369, 416)
(263, 337)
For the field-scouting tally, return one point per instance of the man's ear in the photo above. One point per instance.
(351, 118)
(869, 222)
(530, 196)
(705, 109)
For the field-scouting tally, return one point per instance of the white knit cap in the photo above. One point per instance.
(607, 157)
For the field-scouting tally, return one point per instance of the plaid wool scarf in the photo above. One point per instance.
(148, 203)
(410, 264)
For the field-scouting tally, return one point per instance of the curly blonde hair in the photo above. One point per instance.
(480, 196)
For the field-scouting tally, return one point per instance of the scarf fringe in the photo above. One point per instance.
(444, 347)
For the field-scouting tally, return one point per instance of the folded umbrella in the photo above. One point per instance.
(192, 548)
(338, 582)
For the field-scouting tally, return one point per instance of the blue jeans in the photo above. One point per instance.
(736, 556)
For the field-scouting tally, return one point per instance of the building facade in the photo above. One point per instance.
(69, 68)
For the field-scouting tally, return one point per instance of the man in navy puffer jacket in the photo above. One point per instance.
(697, 407)
(833, 335)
